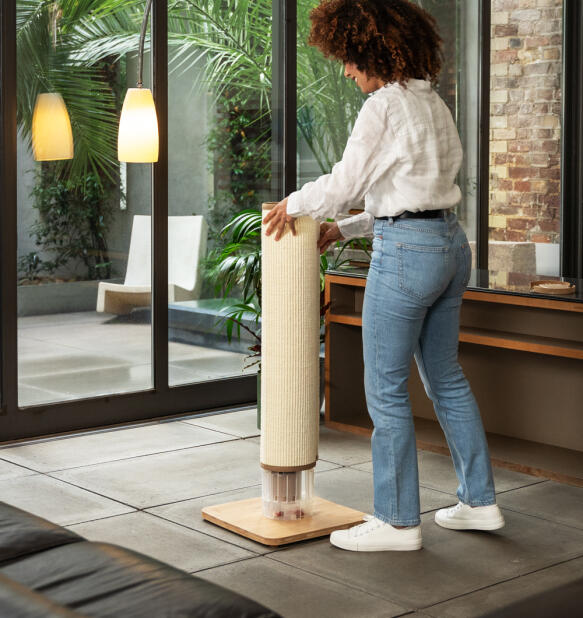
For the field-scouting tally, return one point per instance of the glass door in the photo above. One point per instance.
(324, 125)
(83, 225)
(219, 172)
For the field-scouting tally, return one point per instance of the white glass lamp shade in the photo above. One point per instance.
(137, 141)
(52, 138)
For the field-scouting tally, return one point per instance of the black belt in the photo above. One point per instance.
(422, 214)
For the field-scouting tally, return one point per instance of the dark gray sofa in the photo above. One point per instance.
(47, 571)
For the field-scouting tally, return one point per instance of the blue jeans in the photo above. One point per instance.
(418, 273)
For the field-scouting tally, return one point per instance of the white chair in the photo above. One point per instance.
(187, 237)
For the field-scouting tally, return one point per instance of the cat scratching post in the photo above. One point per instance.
(288, 510)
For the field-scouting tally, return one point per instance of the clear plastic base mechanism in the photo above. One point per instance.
(287, 495)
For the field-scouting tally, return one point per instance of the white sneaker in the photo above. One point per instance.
(376, 535)
(465, 517)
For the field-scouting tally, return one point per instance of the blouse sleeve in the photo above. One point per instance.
(358, 226)
(364, 160)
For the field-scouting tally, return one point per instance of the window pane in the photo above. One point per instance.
(83, 222)
(219, 77)
(525, 134)
(328, 103)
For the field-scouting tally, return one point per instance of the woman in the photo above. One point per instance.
(402, 158)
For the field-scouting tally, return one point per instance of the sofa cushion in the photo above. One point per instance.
(22, 533)
(99, 579)
(18, 601)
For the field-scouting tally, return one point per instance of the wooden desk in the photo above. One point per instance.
(523, 355)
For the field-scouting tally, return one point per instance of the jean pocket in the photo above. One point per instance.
(423, 270)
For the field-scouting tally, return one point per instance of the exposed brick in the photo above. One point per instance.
(539, 186)
(499, 69)
(523, 173)
(499, 122)
(550, 226)
(495, 234)
(540, 160)
(505, 56)
(526, 15)
(541, 109)
(499, 96)
(551, 172)
(500, 17)
(552, 54)
(505, 30)
(498, 146)
(547, 26)
(506, 134)
(540, 238)
(505, 5)
(522, 185)
(519, 223)
(514, 236)
(497, 221)
(536, 41)
(518, 146)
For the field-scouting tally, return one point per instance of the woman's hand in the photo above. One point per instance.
(329, 233)
(277, 218)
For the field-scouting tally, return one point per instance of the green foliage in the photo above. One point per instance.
(73, 217)
(239, 147)
(48, 38)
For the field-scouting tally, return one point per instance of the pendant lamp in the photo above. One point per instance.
(137, 140)
(52, 138)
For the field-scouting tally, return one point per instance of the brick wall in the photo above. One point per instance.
(525, 130)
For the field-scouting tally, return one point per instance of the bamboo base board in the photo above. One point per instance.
(245, 517)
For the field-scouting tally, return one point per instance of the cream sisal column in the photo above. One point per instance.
(290, 375)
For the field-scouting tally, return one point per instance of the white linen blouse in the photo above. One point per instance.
(404, 153)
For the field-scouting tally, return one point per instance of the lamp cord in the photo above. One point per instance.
(141, 45)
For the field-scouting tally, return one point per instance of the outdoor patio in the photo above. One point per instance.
(87, 354)
(144, 487)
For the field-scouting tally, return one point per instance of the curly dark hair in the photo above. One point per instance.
(394, 40)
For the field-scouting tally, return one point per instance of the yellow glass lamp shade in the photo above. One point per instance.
(137, 141)
(52, 138)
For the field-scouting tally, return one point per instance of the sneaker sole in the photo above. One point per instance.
(495, 524)
(416, 544)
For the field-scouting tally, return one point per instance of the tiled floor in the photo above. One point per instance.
(144, 488)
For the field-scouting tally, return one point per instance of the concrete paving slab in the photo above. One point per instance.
(549, 500)
(354, 488)
(30, 395)
(170, 477)
(188, 513)
(450, 564)
(12, 471)
(211, 367)
(118, 444)
(58, 319)
(65, 362)
(56, 501)
(242, 424)
(91, 383)
(343, 448)
(515, 590)
(171, 543)
(297, 594)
